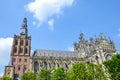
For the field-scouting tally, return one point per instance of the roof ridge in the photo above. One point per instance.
(52, 50)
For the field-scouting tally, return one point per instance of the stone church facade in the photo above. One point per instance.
(94, 50)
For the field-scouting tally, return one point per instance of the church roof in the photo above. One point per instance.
(54, 53)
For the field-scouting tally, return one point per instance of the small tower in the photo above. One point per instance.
(20, 52)
(23, 29)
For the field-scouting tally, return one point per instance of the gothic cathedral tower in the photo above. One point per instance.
(21, 49)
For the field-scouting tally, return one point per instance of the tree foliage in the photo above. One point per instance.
(113, 66)
(44, 75)
(6, 78)
(59, 74)
(28, 76)
(84, 71)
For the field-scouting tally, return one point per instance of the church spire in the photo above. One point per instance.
(23, 29)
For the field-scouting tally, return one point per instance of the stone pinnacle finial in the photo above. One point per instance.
(81, 36)
(102, 36)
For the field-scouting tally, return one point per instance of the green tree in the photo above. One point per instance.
(113, 66)
(44, 75)
(59, 74)
(78, 71)
(6, 78)
(84, 71)
(28, 76)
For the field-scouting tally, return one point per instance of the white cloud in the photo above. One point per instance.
(5, 43)
(70, 48)
(45, 10)
(5, 49)
(51, 24)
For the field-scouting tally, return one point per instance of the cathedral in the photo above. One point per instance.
(95, 50)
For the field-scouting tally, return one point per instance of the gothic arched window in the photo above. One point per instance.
(26, 50)
(19, 67)
(20, 50)
(21, 42)
(58, 65)
(97, 59)
(16, 42)
(26, 43)
(45, 65)
(9, 71)
(15, 49)
(36, 67)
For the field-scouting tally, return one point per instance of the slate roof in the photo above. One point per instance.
(54, 53)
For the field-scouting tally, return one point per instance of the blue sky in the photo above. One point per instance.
(56, 24)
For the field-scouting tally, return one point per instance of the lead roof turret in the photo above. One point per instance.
(23, 29)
